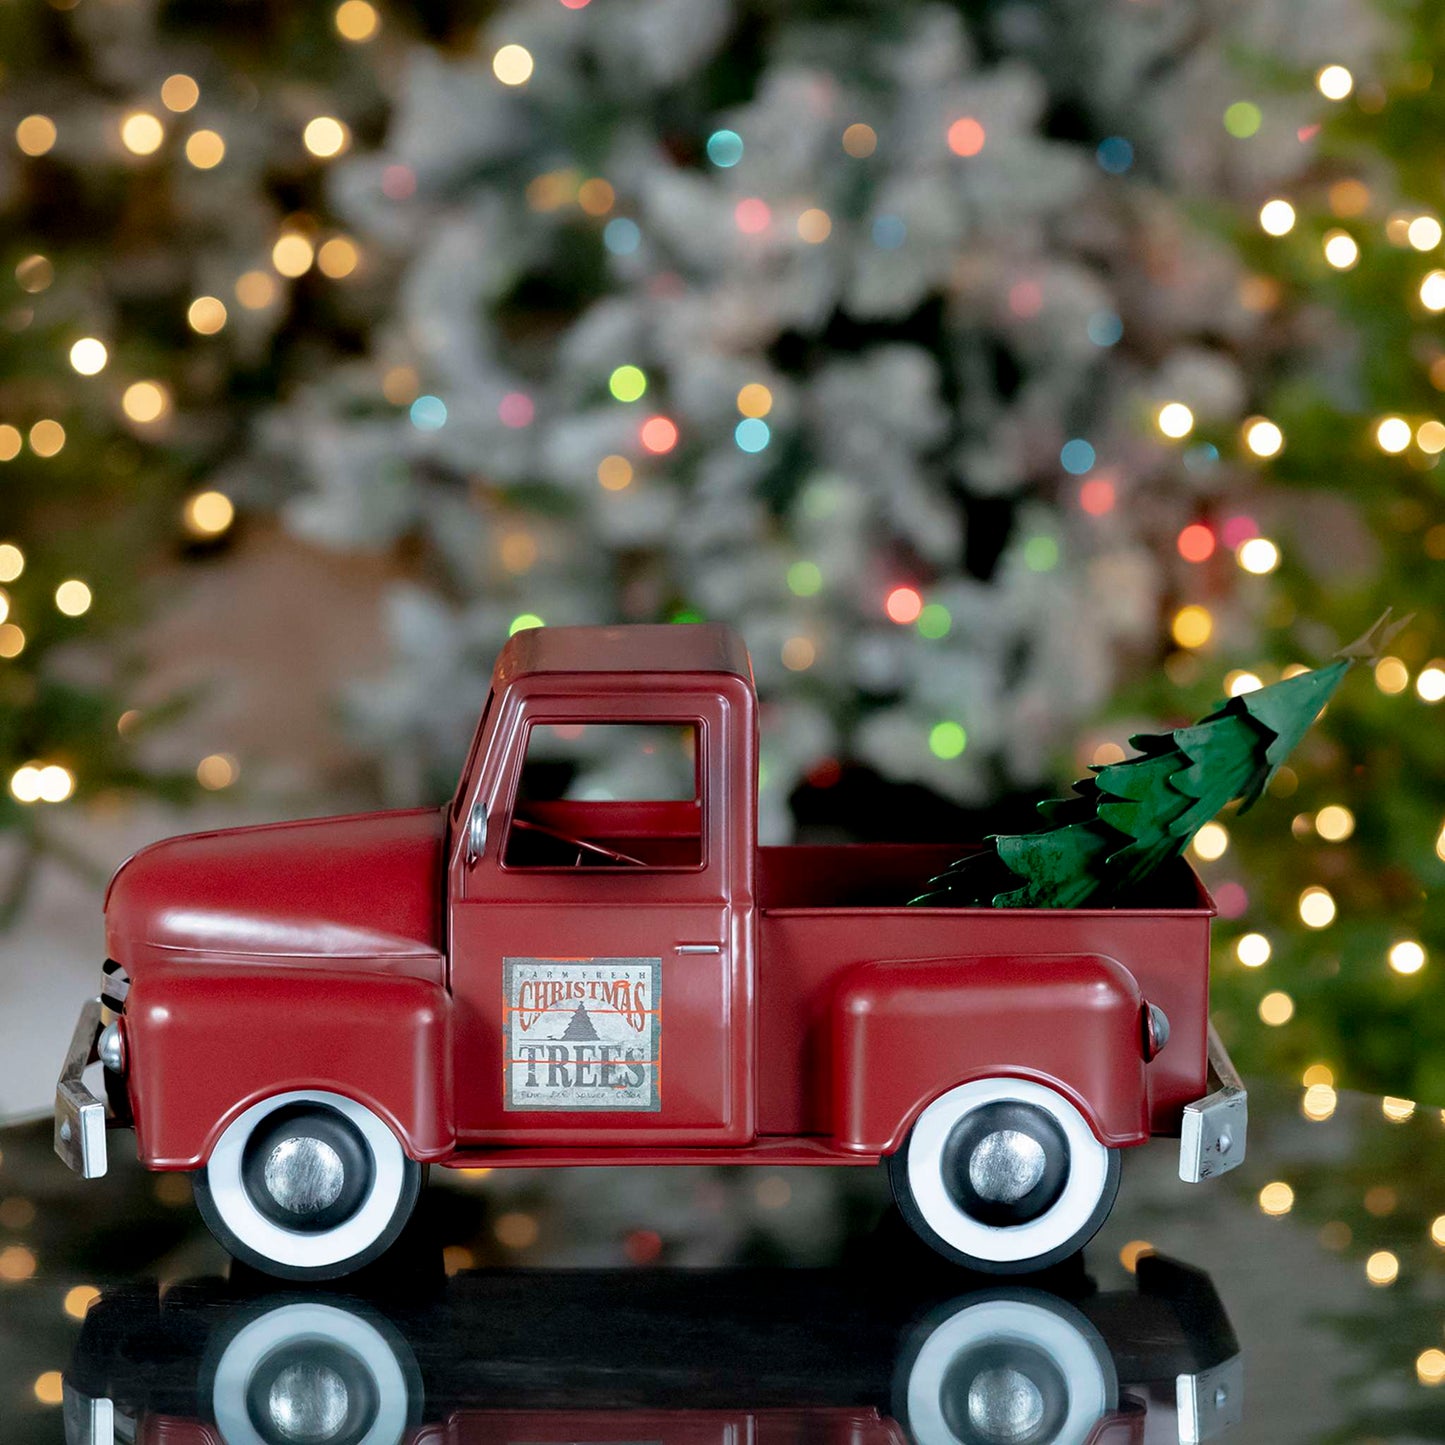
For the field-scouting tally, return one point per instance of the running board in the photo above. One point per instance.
(778, 1152)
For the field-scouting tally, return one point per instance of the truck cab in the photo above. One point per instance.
(549, 971)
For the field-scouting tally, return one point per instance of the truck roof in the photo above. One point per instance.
(631, 647)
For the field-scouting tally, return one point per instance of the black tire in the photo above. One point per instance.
(327, 1237)
(1078, 1192)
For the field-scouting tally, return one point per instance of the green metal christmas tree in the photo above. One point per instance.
(1131, 817)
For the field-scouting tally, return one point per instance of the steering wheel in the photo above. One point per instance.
(581, 844)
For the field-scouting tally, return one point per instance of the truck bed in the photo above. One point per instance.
(823, 907)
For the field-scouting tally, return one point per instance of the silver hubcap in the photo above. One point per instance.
(1004, 1405)
(308, 1403)
(1005, 1166)
(305, 1175)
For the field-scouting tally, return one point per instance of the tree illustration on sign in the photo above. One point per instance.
(580, 1028)
(1133, 816)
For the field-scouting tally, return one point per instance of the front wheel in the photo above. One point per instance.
(1004, 1176)
(307, 1185)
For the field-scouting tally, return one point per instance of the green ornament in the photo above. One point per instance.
(1131, 817)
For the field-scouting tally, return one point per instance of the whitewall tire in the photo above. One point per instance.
(307, 1185)
(1014, 1367)
(1004, 1176)
(311, 1371)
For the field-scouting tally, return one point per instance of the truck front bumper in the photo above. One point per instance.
(1213, 1135)
(80, 1121)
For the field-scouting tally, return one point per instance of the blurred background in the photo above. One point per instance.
(1016, 376)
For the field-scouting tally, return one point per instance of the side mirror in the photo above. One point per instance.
(476, 833)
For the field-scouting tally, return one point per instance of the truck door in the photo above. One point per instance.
(599, 967)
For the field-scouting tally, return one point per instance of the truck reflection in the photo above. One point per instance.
(666, 1357)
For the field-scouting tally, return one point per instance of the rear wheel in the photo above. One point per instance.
(307, 1185)
(1004, 1176)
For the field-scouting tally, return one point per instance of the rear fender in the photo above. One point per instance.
(904, 1032)
(205, 1042)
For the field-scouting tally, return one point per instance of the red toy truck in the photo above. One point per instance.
(303, 1016)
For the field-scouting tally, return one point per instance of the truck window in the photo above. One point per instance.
(613, 795)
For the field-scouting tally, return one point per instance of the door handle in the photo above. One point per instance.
(699, 948)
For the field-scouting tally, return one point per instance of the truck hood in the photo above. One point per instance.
(366, 889)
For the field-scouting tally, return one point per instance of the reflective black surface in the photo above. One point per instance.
(724, 1306)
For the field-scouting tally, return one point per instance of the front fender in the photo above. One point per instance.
(903, 1032)
(204, 1043)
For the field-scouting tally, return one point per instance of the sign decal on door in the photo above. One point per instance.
(583, 1033)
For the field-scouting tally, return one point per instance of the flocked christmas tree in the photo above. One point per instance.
(821, 322)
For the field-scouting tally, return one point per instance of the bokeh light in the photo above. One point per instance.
(208, 513)
(1407, 957)
(658, 435)
(513, 65)
(1334, 82)
(1317, 907)
(1342, 251)
(206, 315)
(88, 356)
(1263, 437)
(755, 399)
(1196, 542)
(292, 254)
(1391, 676)
(36, 135)
(1192, 626)
(1257, 555)
(903, 605)
(1392, 434)
(1276, 1008)
(179, 93)
(1253, 950)
(1276, 1198)
(966, 136)
(752, 434)
(73, 597)
(357, 21)
(614, 473)
(725, 148)
(752, 216)
(1243, 119)
(627, 383)
(1424, 233)
(1277, 217)
(1175, 419)
(325, 136)
(947, 740)
(1382, 1267)
(47, 437)
(205, 149)
(141, 133)
(217, 771)
(814, 226)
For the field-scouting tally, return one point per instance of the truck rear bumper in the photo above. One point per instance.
(1212, 1138)
(79, 1116)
